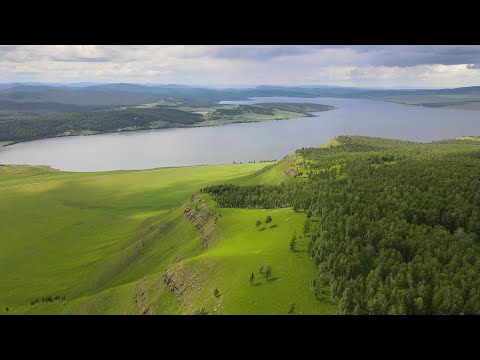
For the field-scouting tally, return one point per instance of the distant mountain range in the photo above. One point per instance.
(126, 94)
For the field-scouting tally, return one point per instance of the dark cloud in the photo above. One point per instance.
(365, 55)
(407, 55)
(473, 66)
(261, 52)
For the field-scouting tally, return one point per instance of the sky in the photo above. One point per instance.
(391, 66)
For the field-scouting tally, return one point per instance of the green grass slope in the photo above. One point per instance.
(272, 174)
(178, 259)
(141, 242)
(64, 233)
(239, 251)
(470, 138)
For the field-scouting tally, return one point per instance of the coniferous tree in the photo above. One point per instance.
(394, 225)
(292, 309)
(252, 279)
(268, 272)
(293, 244)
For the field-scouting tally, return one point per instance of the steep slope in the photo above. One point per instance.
(179, 259)
(70, 234)
(170, 262)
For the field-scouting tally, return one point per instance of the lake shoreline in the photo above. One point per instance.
(198, 125)
(245, 141)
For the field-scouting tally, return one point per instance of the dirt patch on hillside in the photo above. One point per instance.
(186, 282)
(291, 172)
(205, 221)
(141, 301)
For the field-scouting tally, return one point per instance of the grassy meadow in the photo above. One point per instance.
(58, 227)
(107, 242)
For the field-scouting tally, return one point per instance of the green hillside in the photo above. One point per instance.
(358, 226)
(393, 226)
(464, 98)
(100, 243)
(261, 112)
(59, 229)
(24, 125)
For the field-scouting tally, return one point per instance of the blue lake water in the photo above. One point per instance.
(243, 142)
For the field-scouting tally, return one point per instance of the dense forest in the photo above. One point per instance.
(35, 120)
(301, 109)
(46, 106)
(393, 226)
(59, 124)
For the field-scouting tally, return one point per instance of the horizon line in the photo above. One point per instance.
(93, 83)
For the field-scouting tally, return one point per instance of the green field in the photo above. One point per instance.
(239, 252)
(103, 240)
(382, 227)
(447, 101)
(471, 138)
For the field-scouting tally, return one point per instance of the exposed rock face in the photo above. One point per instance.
(141, 301)
(172, 278)
(186, 282)
(198, 213)
(291, 172)
(180, 278)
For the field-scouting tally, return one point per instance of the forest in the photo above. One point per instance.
(264, 112)
(393, 226)
(59, 124)
(268, 109)
(35, 120)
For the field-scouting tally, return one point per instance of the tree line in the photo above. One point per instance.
(393, 226)
(58, 124)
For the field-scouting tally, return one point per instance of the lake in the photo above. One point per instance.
(243, 142)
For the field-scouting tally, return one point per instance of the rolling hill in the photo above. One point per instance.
(138, 242)
(360, 225)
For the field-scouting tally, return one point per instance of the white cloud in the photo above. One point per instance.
(422, 66)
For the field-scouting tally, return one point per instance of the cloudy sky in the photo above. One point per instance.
(369, 66)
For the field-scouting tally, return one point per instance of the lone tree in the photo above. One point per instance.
(260, 266)
(216, 293)
(268, 220)
(258, 223)
(268, 272)
(292, 309)
(293, 244)
(252, 279)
